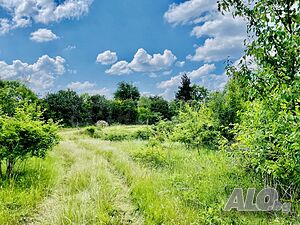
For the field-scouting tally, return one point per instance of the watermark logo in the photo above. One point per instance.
(266, 200)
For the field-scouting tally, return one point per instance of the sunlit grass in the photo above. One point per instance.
(87, 180)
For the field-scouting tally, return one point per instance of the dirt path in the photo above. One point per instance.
(88, 191)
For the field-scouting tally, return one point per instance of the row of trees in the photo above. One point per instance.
(127, 106)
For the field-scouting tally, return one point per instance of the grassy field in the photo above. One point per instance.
(87, 180)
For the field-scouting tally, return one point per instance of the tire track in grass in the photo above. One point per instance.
(87, 192)
(148, 188)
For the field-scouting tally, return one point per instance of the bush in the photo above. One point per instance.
(143, 134)
(196, 127)
(25, 135)
(268, 141)
(90, 131)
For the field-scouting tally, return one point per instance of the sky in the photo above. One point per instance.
(92, 45)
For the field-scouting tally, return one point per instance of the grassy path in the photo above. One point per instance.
(89, 191)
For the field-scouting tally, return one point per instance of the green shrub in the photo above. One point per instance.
(25, 135)
(90, 131)
(143, 134)
(153, 157)
(116, 137)
(268, 141)
(196, 127)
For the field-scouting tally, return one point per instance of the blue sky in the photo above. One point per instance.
(90, 46)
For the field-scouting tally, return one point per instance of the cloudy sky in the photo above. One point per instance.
(90, 46)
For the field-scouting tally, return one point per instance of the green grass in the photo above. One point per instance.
(87, 180)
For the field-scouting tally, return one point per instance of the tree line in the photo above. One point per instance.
(126, 107)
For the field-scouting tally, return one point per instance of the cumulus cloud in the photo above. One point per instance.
(40, 75)
(194, 75)
(180, 63)
(25, 12)
(223, 35)
(145, 63)
(43, 35)
(119, 68)
(203, 76)
(107, 58)
(90, 88)
(188, 11)
(81, 86)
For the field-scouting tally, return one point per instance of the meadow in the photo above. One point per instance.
(88, 180)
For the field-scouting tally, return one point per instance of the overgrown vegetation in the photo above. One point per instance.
(182, 168)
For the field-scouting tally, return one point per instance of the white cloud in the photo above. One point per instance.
(43, 35)
(194, 75)
(102, 91)
(145, 63)
(107, 58)
(224, 35)
(24, 12)
(188, 11)
(119, 68)
(39, 75)
(217, 49)
(221, 25)
(180, 63)
(81, 86)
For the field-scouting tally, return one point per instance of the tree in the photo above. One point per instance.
(66, 106)
(199, 93)
(268, 131)
(126, 91)
(124, 112)
(153, 109)
(23, 131)
(14, 94)
(185, 90)
(25, 135)
(99, 108)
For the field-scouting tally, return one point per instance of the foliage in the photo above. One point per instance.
(67, 106)
(100, 108)
(14, 94)
(126, 91)
(91, 130)
(184, 92)
(196, 127)
(123, 112)
(268, 133)
(153, 109)
(199, 93)
(269, 144)
(25, 135)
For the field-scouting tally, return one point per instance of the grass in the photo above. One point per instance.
(87, 180)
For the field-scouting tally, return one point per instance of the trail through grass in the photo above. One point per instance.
(86, 180)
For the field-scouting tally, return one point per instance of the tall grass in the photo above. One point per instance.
(86, 180)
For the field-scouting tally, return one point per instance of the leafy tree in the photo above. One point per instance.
(127, 91)
(124, 112)
(14, 94)
(100, 108)
(66, 106)
(185, 90)
(144, 110)
(199, 93)
(267, 132)
(153, 109)
(160, 106)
